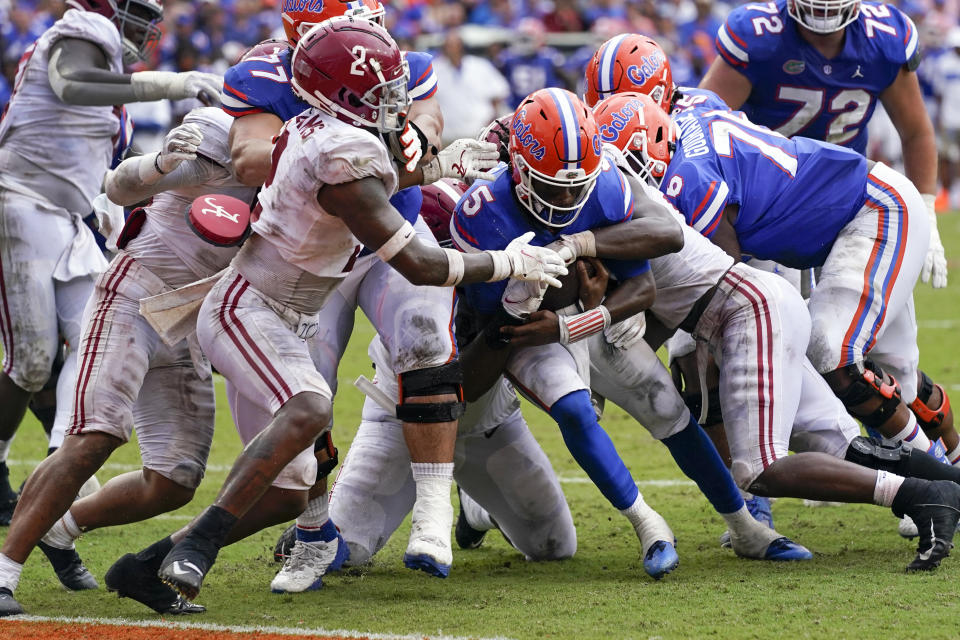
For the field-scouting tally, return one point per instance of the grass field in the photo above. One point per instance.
(854, 588)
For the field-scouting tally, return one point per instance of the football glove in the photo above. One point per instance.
(521, 298)
(523, 261)
(935, 262)
(626, 333)
(181, 144)
(157, 85)
(576, 245)
(464, 159)
(408, 146)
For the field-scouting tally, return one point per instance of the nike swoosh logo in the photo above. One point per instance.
(189, 565)
(489, 434)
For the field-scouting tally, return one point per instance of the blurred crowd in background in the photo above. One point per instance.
(489, 53)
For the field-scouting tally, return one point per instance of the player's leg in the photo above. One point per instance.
(510, 479)
(415, 326)
(257, 349)
(865, 284)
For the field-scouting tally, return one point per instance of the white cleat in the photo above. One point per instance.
(304, 568)
(429, 547)
(658, 542)
(907, 528)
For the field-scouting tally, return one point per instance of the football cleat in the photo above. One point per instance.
(8, 497)
(428, 552)
(281, 550)
(784, 549)
(8, 604)
(466, 536)
(907, 528)
(936, 513)
(307, 563)
(759, 508)
(134, 579)
(69, 568)
(660, 559)
(187, 565)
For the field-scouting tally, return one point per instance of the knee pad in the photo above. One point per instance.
(694, 402)
(325, 443)
(868, 381)
(869, 452)
(433, 381)
(928, 417)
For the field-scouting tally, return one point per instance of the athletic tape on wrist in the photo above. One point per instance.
(401, 238)
(501, 266)
(454, 267)
(586, 243)
(431, 171)
(581, 325)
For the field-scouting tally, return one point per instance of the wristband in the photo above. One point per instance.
(930, 201)
(156, 164)
(454, 267)
(585, 242)
(401, 238)
(581, 325)
(501, 266)
(431, 171)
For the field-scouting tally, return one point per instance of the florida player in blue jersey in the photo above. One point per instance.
(808, 204)
(816, 68)
(559, 183)
(412, 321)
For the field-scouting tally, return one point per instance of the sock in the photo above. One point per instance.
(953, 456)
(638, 512)
(5, 449)
(316, 513)
(698, 459)
(907, 495)
(153, 555)
(63, 532)
(324, 533)
(911, 436)
(9, 573)
(213, 525)
(433, 480)
(51, 450)
(477, 517)
(592, 448)
(888, 484)
(938, 451)
(432, 515)
(922, 465)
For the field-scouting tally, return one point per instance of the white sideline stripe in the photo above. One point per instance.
(222, 468)
(937, 324)
(290, 631)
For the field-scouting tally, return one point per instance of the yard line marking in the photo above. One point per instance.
(206, 626)
(937, 324)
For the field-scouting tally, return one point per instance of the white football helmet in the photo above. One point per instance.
(824, 16)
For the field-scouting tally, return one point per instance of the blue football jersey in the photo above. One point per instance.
(796, 91)
(261, 84)
(794, 194)
(528, 73)
(489, 216)
(690, 97)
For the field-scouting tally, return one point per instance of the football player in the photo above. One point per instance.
(757, 328)
(816, 68)
(128, 375)
(412, 321)
(63, 109)
(326, 198)
(558, 182)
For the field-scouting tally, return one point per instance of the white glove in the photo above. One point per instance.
(407, 147)
(110, 219)
(521, 298)
(464, 159)
(935, 263)
(181, 144)
(523, 261)
(576, 245)
(626, 333)
(157, 85)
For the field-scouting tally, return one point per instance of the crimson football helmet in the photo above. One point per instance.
(269, 47)
(556, 156)
(643, 133)
(439, 204)
(498, 132)
(351, 68)
(629, 62)
(824, 16)
(136, 21)
(299, 16)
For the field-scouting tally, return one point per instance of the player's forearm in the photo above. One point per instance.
(92, 87)
(639, 239)
(920, 160)
(427, 116)
(251, 160)
(138, 178)
(482, 367)
(426, 265)
(631, 297)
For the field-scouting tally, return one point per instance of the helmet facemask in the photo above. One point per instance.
(539, 193)
(136, 21)
(824, 16)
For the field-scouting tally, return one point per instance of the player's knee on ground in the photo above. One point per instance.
(932, 406)
(445, 380)
(359, 554)
(869, 394)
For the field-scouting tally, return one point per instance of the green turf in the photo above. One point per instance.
(854, 588)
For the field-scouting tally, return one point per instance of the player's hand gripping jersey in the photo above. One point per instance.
(797, 91)
(489, 217)
(794, 194)
(261, 84)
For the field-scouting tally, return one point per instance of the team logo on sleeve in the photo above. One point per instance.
(522, 130)
(619, 120)
(793, 67)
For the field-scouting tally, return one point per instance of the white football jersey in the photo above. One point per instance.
(682, 277)
(72, 142)
(166, 245)
(312, 150)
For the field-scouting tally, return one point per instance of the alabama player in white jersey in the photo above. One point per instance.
(56, 143)
(326, 198)
(128, 374)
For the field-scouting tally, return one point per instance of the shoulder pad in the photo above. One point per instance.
(251, 86)
(892, 34)
(737, 40)
(423, 81)
(87, 25)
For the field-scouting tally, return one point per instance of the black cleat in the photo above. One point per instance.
(187, 565)
(8, 497)
(135, 579)
(281, 551)
(8, 604)
(69, 568)
(466, 536)
(936, 511)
